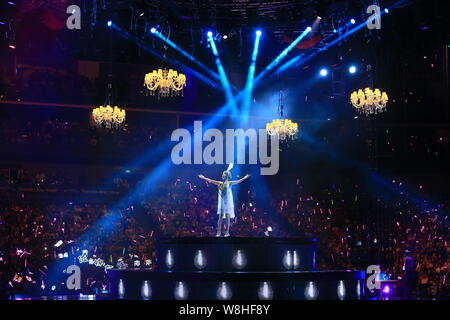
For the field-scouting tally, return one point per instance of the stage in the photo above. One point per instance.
(238, 269)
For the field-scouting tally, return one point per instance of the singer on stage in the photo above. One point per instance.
(225, 205)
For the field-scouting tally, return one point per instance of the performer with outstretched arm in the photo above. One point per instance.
(225, 206)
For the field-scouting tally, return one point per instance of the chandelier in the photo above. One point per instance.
(284, 129)
(108, 117)
(369, 101)
(165, 83)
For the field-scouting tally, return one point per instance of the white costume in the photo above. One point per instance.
(225, 205)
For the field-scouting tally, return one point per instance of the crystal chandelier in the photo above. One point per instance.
(165, 82)
(369, 101)
(284, 129)
(108, 117)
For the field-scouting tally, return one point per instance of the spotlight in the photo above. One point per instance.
(209, 34)
(109, 23)
(258, 32)
(386, 10)
(323, 72)
(308, 29)
(352, 21)
(319, 17)
(225, 37)
(352, 69)
(153, 30)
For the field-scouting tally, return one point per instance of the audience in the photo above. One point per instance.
(37, 234)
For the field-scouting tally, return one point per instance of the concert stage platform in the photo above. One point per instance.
(238, 269)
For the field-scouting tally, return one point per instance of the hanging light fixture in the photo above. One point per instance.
(369, 101)
(165, 82)
(107, 116)
(284, 129)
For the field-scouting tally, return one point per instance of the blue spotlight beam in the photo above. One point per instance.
(250, 78)
(283, 54)
(296, 61)
(187, 55)
(173, 62)
(223, 76)
(160, 171)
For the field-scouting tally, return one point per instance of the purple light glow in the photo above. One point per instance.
(386, 289)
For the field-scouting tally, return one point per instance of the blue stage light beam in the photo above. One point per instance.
(250, 78)
(213, 74)
(223, 76)
(173, 62)
(283, 54)
(302, 58)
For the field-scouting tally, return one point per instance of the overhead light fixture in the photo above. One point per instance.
(108, 117)
(369, 101)
(282, 128)
(165, 82)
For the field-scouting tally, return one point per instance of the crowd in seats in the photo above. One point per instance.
(63, 134)
(126, 237)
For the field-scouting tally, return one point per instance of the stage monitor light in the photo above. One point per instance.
(224, 291)
(121, 289)
(200, 259)
(352, 21)
(352, 69)
(358, 290)
(146, 290)
(239, 260)
(169, 259)
(341, 290)
(109, 23)
(181, 291)
(153, 30)
(295, 260)
(258, 32)
(311, 291)
(323, 72)
(265, 291)
(287, 260)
